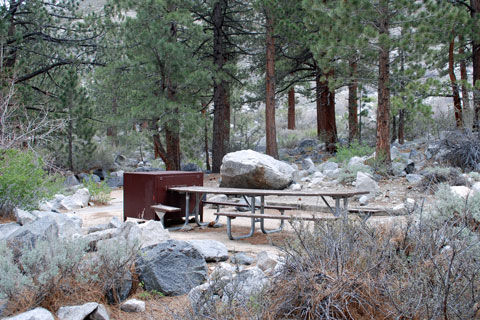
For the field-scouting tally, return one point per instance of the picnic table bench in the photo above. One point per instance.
(200, 191)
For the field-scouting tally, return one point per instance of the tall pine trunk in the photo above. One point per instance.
(353, 103)
(383, 110)
(326, 123)
(270, 128)
(457, 105)
(475, 5)
(401, 126)
(221, 111)
(463, 76)
(291, 109)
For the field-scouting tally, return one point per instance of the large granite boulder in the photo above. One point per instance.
(7, 229)
(253, 170)
(76, 201)
(172, 267)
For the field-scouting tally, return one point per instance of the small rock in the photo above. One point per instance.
(24, 217)
(363, 200)
(78, 200)
(98, 227)
(152, 233)
(357, 161)
(114, 182)
(90, 310)
(133, 305)
(115, 223)
(296, 187)
(332, 174)
(307, 164)
(71, 181)
(266, 260)
(222, 270)
(241, 258)
(410, 168)
(329, 166)
(462, 191)
(35, 314)
(247, 284)
(476, 187)
(410, 203)
(415, 178)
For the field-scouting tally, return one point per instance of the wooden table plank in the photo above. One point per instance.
(267, 192)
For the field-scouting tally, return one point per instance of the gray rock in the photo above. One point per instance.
(98, 227)
(475, 187)
(328, 166)
(218, 198)
(203, 297)
(114, 182)
(213, 251)
(295, 187)
(223, 270)
(115, 223)
(76, 201)
(307, 164)
(69, 225)
(87, 177)
(131, 232)
(24, 217)
(266, 260)
(35, 314)
(462, 191)
(90, 311)
(172, 267)
(247, 284)
(151, 233)
(6, 229)
(364, 182)
(133, 305)
(241, 258)
(250, 169)
(93, 238)
(332, 174)
(431, 151)
(357, 161)
(398, 168)
(414, 178)
(394, 153)
(29, 234)
(191, 167)
(71, 181)
(363, 200)
(101, 173)
(54, 204)
(308, 143)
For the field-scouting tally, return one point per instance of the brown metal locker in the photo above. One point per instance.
(143, 189)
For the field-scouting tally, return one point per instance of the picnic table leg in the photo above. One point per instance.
(187, 214)
(252, 228)
(337, 207)
(262, 221)
(328, 205)
(197, 210)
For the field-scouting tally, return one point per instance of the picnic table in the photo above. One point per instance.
(200, 192)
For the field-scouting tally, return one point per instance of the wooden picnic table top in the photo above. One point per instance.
(267, 192)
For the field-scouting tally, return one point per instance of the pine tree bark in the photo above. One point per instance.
(291, 109)
(270, 127)
(457, 105)
(463, 76)
(221, 112)
(401, 126)
(394, 129)
(353, 103)
(326, 123)
(475, 7)
(383, 110)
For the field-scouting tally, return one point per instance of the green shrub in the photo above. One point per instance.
(345, 152)
(99, 191)
(23, 182)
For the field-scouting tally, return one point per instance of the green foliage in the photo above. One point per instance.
(99, 191)
(346, 152)
(23, 182)
(150, 295)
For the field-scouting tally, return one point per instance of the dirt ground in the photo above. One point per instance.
(392, 192)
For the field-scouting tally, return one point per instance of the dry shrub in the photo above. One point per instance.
(347, 270)
(434, 176)
(463, 149)
(60, 272)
